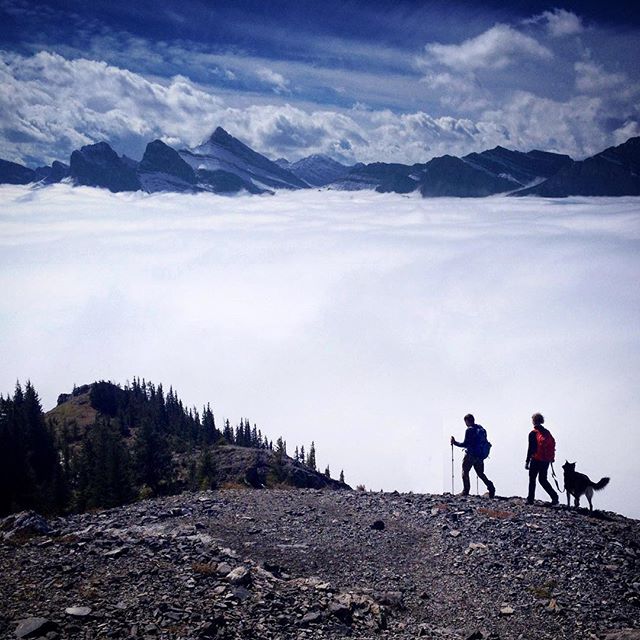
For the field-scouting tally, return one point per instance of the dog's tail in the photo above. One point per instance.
(601, 484)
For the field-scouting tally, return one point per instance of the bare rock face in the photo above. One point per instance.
(260, 468)
(23, 524)
(14, 173)
(98, 165)
(162, 169)
(304, 563)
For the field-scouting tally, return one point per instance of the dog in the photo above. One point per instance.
(578, 484)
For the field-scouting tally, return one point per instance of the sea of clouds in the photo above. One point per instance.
(369, 323)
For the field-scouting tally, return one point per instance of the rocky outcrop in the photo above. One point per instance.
(98, 165)
(57, 172)
(162, 169)
(260, 468)
(14, 173)
(23, 524)
(309, 564)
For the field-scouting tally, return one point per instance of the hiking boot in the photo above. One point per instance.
(529, 500)
(492, 491)
(554, 501)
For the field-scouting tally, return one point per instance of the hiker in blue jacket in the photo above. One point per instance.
(475, 443)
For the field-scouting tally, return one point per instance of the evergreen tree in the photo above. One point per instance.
(327, 472)
(227, 434)
(206, 473)
(104, 468)
(151, 456)
(31, 476)
(209, 426)
(239, 439)
(342, 476)
(311, 458)
(50, 466)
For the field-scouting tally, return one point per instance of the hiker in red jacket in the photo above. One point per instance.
(540, 454)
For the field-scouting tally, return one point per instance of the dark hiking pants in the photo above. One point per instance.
(538, 471)
(469, 462)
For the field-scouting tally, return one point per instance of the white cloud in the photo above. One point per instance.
(628, 129)
(592, 78)
(572, 127)
(50, 105)
(497, 48)
(273, 78)
(348, 319)
(560, 22)
(53, 105)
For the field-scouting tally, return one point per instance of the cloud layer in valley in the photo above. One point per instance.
(401, 84)
(368, 323)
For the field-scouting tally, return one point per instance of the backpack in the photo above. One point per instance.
(481, 446)
(546, 449)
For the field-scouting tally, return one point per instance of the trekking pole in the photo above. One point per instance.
(452, 491)
(477, 490)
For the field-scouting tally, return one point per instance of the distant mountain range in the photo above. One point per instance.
(223, 164)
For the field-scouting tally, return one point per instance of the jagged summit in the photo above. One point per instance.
(224, 164)
(162, 169)
(221, 136)
(98, 165)
(224, 152)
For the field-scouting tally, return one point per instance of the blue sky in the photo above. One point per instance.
(360, 81)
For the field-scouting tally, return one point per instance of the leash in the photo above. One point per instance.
(553, 474)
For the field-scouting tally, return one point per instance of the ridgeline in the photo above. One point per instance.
(104, 445)
(301, 563)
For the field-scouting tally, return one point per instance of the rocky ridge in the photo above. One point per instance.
(321, 564)
(223, 164)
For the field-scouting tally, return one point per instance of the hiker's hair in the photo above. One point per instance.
(469, 418)
(537, 418)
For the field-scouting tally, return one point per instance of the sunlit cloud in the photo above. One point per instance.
(75, 79)
(496, 48)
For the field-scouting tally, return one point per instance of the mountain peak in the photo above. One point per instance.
(222, 151)
(220, 135)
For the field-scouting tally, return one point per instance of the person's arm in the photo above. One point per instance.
(465, 442)
(533, 445)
